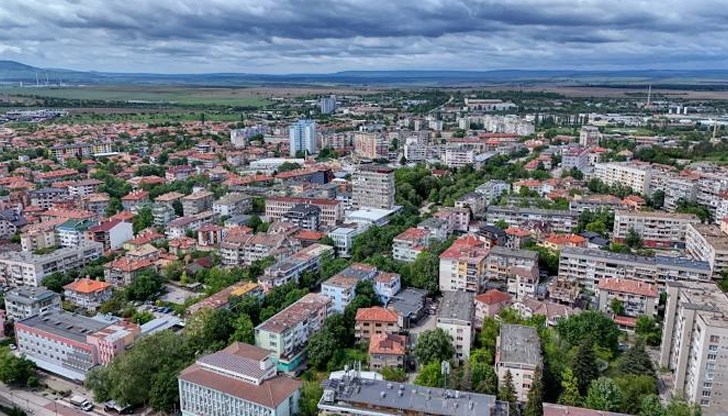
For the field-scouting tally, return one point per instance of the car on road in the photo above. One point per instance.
(81, 402)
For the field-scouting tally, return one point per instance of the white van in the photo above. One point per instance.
(81, 402)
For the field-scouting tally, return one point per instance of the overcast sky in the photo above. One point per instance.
(289, 36)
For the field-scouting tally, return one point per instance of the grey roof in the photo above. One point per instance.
(13, 217)
(664, 261)
(231, 362)
(510, 252)
(355, 392)
(457, 305)
(26, 294)
(519, 344)
(538, 211)
(408, 302)
(65, 324)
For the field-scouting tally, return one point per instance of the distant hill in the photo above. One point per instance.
(14, 73)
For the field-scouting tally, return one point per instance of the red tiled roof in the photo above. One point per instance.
(87, 285)
(377, 313)
(634, 287)
(384, 343)
(493, 297)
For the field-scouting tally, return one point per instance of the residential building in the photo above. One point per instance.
(656, 228)
(550, 409)
(87, 293)
(112, 233)
(501, 261)
(69, 344)
(179, 227)
(124, 270)
(695, 343)
(96, 203)
(589, 266)
(387, 285)
(45, 197)
(196, 203)
(455, 317)
(373, 187)
(409, 244)
(327, 104)
(238, 380)
(556, 242)
(581, 203)
(304, 216)
(344, 238)
(350, 395)
(493, 189)
(410, 304)
(232, 204)
(462, 266)
(289, 269)
(518, 351)
(40, 235)
(558, 221)
(24, 268)
(332, 211)
(635, 297)
(575, 158)
(522, 281)
(589, 136)
(634, 176)
(371, 145)
(489, 304)
(376, 321)
(239, 249)
(302, 137)
(25, 301)
(708, 243)
(72, 232)
(222, 298)
(285, 334)
(342, 286)
(135, 200)
(529, 307)
(387, 350)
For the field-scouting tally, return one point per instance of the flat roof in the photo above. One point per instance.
(713, 235)
(457, 305)
(408, 301)
(29, 293)
(709, 302)
(65, 324)
(519, 344)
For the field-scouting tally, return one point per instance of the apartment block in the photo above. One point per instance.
(554, 220)
(222, 298)
(589, 136)
(232, 204)
(72, 232)
(658, 229)
(112, 233)
(40, 235)
(24, 268)
(179, 227)
(493, 189)
(501, 261)
(197, 202)
(26, 301)
(575, 158)
(238, 380)
(376, 321)
(518, 350)
(239, 249)
(634, 176)
(695, 344)
(636, 297)
(387, 350)
(371, 145)
(290, 268)
(590, 266)
(87, 293)
(332, 210)
(462, 266)
(708, 243)
(455, 317)
(285, 334)
(373, 187)
(409, 244)
(307, 217)
(344, 237)
(302, 137)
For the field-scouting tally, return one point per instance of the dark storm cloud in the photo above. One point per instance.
(305, 35)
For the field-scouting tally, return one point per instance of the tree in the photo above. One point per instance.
(56, 281)
(244, 330)
(145, 286)
(633, 239)
(585, 366)
(430, 375)
(636, 361)
(590, 324)
(424, 272)
(616, 306)
(484, 378)
(679, 407)
(394, 374)
(570, 389)
(534, 405)
(634, 389)
(649, 330)
(507, 393)
(16, 371)
(311, 393)
(209, 329)
(143, 219)
(604, 394)
(178, 208)
(502, 224)
(651, 406)
(434, 345)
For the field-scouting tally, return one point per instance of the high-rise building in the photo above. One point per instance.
(589, 136)
(373, 187)
(695, 343)
(457, 312)
(519, 351)
(302, 136)
(328, 104)
(371, 145)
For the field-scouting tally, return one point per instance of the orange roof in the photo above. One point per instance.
(377, 313)
(560, 239)
(387, 344)
(518, 232)
(462, 246)
(309, 235)
(625, 320)
(634, 287)
(493, 297)
(412, 235)
(87, 285)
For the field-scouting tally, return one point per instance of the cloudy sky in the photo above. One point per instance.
(290, 36)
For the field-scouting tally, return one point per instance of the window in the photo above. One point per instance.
(714, 338)
(705, 402)
(706, 393)
(707, 385)
(711, 357)
(712, 348)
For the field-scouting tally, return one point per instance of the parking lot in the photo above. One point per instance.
(176, 294)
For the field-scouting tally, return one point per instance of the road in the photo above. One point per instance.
(438, 108)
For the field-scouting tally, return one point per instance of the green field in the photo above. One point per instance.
(146, 95)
